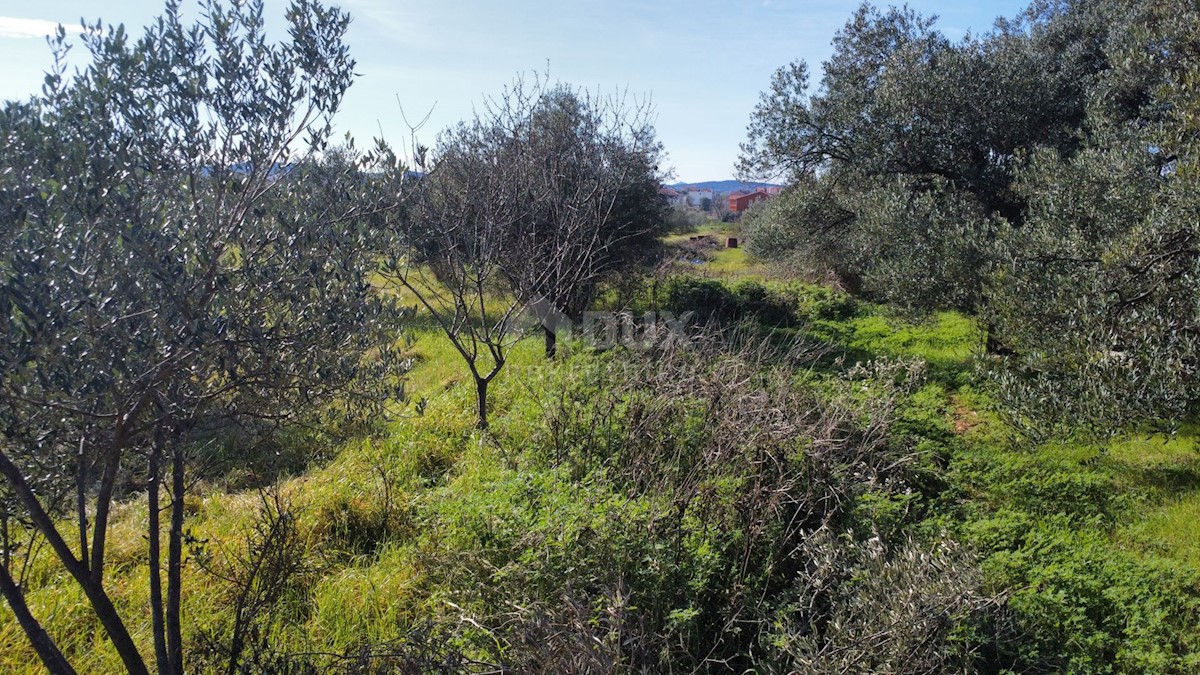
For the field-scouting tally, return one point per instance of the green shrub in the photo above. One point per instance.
(712, 300)
(822, 302)
(1087, 607)
(708, 298)
(765, 305)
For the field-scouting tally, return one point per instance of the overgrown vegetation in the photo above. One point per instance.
(973, 452)
(1040, 176)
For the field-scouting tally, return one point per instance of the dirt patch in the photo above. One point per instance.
(965, 419)
(701, 244)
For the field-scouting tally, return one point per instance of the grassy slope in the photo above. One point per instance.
(396, 524)
(1099, 541)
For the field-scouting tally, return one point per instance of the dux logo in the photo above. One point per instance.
(605, 330)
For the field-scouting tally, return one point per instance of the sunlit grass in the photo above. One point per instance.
(1166, 469)
(733, 264)
(946, 338)
(1158, 448)
(1171, 530)
(425, 485)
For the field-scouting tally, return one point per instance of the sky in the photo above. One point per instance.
(701, 64)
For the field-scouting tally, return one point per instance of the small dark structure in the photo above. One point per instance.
(731, 242)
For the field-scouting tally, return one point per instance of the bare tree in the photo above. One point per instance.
(525, 210)
(454, 249)
(591, 180)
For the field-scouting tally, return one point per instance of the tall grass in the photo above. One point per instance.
(630, 510)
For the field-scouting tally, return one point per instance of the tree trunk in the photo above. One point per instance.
(104, 498)
(158, 625)
(46, 650)
(101, 604)
(992, 346)
(81, 516)
(115, 627)
(551, 339)
(237, 641)
(481, 387)
(175, 564)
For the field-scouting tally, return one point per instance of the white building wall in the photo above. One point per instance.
(695, 197)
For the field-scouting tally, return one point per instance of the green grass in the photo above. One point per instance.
(714, 228)
(1170, 530)
(735, 263)
(1096, 543)
(948, 342)
(724, 263)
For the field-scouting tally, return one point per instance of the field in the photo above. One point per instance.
(429, 536)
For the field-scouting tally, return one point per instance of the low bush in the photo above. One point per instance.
(713, 302)
(730, 473)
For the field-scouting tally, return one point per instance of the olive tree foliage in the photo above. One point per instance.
(899, 228)
(1041, 175)
(593, 188)
(1098, 295)
(905, 131)
(527, 209)
(174, 258)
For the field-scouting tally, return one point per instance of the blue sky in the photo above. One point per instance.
(702, 63)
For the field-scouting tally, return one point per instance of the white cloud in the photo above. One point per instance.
(410, 27)
(12, 27)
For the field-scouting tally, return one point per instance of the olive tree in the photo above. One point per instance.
(592, 185)
(1097, 294)
(175, 258)
(526, 210)
(903, 129)
(1041, 176)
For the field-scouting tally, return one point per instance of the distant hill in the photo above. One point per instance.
(723, 186)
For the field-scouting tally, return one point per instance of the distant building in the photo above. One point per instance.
(740, 201)
(674, 197)
(696, 196)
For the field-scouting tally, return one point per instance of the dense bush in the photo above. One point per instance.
(713, 301)
(676, 512)
(920, 609)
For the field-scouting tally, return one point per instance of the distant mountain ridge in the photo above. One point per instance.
(724, 185)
